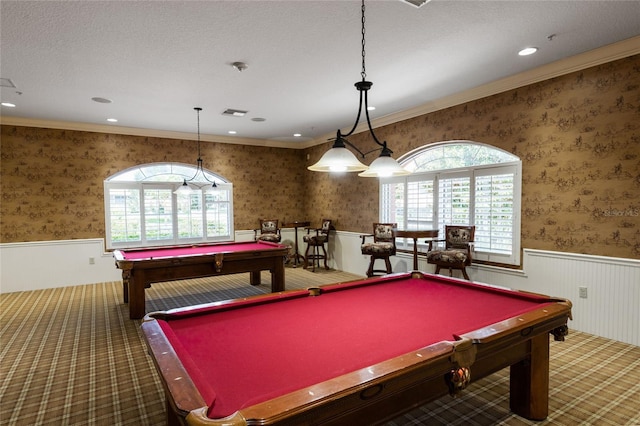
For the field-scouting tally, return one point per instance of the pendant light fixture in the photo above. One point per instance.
(185, 188)
(340, 159)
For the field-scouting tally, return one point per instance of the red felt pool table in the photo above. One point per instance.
(142, 267)
(360, 352)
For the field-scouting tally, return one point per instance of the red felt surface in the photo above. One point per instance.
(250, 355)
(198, 250)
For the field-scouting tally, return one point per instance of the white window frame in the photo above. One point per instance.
(199, 189)
(515, 168)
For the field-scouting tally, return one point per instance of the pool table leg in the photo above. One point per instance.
(126, 275)
(254, 277)
(277, 276)
(529, 381)
(136, 295)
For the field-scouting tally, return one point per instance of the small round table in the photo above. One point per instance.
(427, 233)
(295, 225)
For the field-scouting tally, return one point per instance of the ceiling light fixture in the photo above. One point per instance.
(239, 66)
(528, 51)
(340, 159)
(101, 100)
(185, 188)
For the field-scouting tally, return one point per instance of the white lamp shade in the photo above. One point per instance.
(212, 190)
(183, 189)
(338, 160)
(384, 166)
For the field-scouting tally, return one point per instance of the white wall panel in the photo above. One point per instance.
(611, 309)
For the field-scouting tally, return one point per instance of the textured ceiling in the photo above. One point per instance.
(156, 60)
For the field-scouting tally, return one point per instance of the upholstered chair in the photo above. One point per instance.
(382, 247)
(316, 238)
(268, 231)
(456, 254)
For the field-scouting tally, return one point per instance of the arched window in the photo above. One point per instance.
(459, 183)
(143, 209)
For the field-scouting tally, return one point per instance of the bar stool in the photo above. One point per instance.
(382, 247)
(315, 243)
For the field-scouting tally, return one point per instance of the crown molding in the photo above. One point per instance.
(609, 53)
(134, 131)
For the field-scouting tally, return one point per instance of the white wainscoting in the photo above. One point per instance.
(50, 264)
(611, 308)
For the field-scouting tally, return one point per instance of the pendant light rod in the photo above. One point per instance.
(339, 158)
(199, 169)
(363, 87)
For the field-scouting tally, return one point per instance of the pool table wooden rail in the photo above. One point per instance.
(381, 392)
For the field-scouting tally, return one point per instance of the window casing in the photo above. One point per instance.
(485, 195)
(147, 211)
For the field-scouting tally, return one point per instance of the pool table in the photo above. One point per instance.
(142, 267)
(359, 352)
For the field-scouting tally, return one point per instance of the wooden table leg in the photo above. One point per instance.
(415, 254)
(136, 295)
(254, 277)
(277, 276)
(529, 382)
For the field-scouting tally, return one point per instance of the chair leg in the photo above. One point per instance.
(387, 263)
(326, 265)
(315, 258)
(464, 273)
(370, 270)
(305, 263)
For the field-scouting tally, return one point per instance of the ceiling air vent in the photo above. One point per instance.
(235, 112)
(6, 82)
(416, 3)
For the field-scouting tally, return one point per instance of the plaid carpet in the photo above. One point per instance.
(71, 356)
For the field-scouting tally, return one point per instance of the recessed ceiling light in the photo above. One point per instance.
(297, 135)
(8, 104)
(112, 120)
(232, 132)
(371, 108)
(101, 100)
(528, 51)
(258, 119)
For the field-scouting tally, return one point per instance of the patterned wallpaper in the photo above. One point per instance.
(578, 137)
(52, 180)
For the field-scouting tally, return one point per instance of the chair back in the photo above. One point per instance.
(269, 231)
(269, 226)
(459, 236)
(385, 232)
(326, 227)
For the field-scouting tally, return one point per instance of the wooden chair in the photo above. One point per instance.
(269, 231)
(382, 247)
(457, 250)
(316, 238)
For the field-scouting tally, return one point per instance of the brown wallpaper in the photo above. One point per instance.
(577, 135)
(52, 180)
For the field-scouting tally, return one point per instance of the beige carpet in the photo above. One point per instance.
(71, 356)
